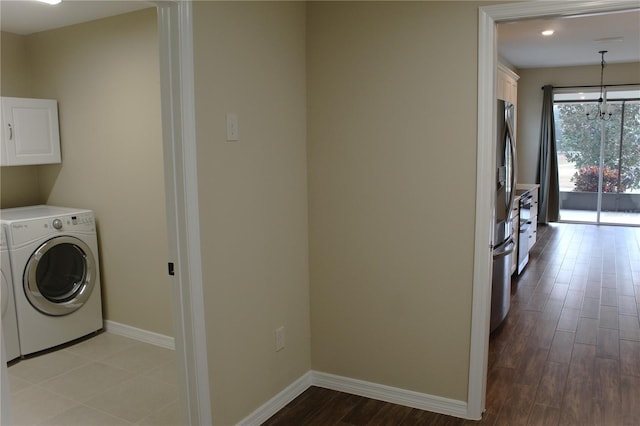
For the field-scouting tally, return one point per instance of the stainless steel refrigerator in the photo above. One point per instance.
(503, 244)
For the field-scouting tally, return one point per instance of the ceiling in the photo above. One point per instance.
(576, 40)
(27, 16)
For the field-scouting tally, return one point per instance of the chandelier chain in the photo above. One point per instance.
(602, 110)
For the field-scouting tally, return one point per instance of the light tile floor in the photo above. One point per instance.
(104, 380)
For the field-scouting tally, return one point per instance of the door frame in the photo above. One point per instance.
(175, 34)
(488, 17)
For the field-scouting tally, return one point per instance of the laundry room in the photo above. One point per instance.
(104, 75)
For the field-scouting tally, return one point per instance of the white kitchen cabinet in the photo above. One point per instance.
(533, 235)
(507, 85)
(30, 132)
(516, 233)
(527, 232)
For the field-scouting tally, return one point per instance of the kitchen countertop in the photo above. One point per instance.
(523, 188)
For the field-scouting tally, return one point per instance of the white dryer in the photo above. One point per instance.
(10, 339)
(56, 276)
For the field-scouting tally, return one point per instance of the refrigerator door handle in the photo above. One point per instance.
(509, 246)
(514, 165)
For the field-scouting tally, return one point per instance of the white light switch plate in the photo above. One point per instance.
(233, 133)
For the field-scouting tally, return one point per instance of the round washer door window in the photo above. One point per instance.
(60, 275)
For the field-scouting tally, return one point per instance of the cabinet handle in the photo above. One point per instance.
(10, 131)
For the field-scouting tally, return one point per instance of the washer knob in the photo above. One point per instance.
(57, 224)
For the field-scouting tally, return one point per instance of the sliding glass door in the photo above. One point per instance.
(599, 160)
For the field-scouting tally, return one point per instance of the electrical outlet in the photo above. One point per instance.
(279, 338)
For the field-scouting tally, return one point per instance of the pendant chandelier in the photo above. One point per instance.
(602, 110)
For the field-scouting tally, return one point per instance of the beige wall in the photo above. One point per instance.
(365, 100)
(392, 164)
(250, 60)
(15, 79)
(530, 103)
(105, 76)
(18, 185)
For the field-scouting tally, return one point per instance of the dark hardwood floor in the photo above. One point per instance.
(567, 354)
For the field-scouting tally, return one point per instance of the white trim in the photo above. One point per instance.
(485, 163)
(351, 386)
(191, 211)
(487, 60)
(390, 394)
(511, 11)
(278, 402)
(139, 334)
(505, 69)
(181, 187)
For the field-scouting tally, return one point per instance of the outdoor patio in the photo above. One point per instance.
(618, 209)
(589, 216)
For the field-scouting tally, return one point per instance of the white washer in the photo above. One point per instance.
(56, 276)
(9, 322)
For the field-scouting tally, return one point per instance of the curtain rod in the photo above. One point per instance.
(593, 85)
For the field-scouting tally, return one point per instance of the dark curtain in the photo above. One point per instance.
(549, 195)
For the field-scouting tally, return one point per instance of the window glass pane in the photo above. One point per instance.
(623, 206)
(594, 94)
(630, 168)
(614, 94)
(611, 179)
(578, 142)
(576, 96)
(578, 148)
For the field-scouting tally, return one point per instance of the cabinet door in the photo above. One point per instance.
(30, 133)
(516, 234)
(534, 218)
(501, 86)
(507, 85)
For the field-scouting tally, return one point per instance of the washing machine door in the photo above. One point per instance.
(60, 275)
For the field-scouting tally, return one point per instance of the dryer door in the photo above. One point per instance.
(60, 275)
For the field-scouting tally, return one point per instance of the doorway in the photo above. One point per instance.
(598, 158)
(488, 17)
(174, 28)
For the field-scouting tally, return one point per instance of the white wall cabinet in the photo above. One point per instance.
(507, 85)
(30, 133)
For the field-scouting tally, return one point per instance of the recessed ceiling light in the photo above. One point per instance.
(547, 33)
(52, 2)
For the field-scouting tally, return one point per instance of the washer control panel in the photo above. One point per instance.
(29, 230)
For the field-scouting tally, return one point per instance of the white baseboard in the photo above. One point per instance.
(404, 397)
(385, 393)
(139, 334)
(278, 402)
